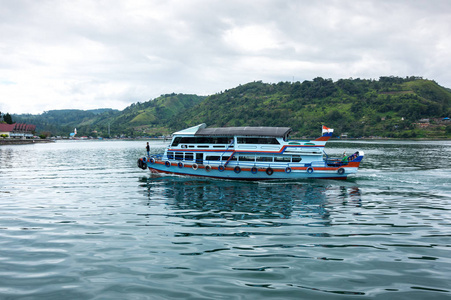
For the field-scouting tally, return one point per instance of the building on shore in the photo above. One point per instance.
(17, 130)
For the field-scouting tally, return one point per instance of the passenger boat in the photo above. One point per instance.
(249, 153)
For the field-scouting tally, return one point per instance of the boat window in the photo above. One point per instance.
(264, 158)
(179, 155)
(202, 140)
(296, 158)
(176, 141)
(210, 157)
(247, 158)
(225, 158)
(170, 155)
(259, 140)
(222, 140)
(282, 158)
(189, 156)
(187, 140)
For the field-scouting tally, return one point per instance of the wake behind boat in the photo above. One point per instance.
(249, 153)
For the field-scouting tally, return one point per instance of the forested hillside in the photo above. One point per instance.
(147, 118)
(389, 107)
(61, 122)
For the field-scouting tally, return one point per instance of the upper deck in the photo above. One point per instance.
(245, 139)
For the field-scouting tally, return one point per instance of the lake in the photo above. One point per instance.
(80, 220)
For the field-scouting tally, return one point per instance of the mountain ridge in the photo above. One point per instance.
(387, 107)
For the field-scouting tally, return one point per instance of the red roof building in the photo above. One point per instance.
(17, 130)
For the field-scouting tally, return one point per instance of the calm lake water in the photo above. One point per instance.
(79, 220)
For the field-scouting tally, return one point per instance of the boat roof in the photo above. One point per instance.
(191, 130)
(201, 130)
(245, 131)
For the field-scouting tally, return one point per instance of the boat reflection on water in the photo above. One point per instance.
(192, 198)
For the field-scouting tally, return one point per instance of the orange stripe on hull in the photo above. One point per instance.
(263, 169)
(323, 139)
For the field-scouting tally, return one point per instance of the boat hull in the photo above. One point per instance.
(254, 173)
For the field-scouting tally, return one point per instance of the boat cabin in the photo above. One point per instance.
(241, 145)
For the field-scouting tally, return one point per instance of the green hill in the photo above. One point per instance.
(61, 122)
(387, 107)
(147, 118)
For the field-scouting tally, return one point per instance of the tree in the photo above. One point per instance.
(8, 119)
(448, 129)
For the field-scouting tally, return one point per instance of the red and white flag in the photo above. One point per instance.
(327, 129)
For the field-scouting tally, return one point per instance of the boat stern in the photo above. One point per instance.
(353, 164)
(356, 158)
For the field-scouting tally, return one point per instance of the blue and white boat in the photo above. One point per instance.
(249, 153)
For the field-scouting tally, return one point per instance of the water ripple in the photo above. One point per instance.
(80, 221)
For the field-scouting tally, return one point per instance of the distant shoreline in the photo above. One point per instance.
(22, 142)
(5, 142)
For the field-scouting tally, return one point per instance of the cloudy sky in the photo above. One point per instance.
(96, 54)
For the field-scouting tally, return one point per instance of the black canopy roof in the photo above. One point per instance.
(244, 131)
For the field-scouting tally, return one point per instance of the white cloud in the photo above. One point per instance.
(251, 39)
(89, 54)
